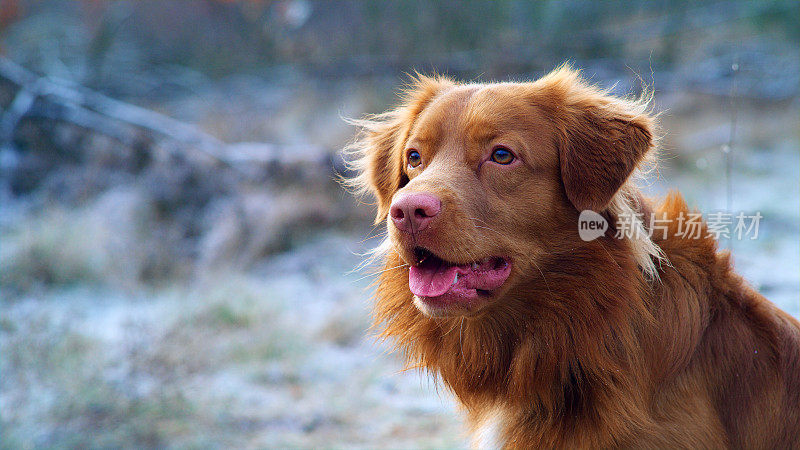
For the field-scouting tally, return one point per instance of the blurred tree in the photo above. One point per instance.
(96, 40)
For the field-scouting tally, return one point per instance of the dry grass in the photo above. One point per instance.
(231, 320)
(114, 240)
(56, 394)
(55, 248)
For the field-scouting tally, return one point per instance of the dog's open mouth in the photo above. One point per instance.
(433, 277)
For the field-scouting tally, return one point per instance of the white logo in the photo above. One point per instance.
(591, 225)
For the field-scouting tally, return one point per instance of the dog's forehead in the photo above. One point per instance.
(478, 111)
(444, 114)
(498, 107)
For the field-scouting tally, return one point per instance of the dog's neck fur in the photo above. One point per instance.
(528, 350)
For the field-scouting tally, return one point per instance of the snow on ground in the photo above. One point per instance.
(279, 357)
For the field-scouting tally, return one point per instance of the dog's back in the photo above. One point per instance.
(723, 356)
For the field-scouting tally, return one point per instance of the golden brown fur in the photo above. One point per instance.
(608, 343)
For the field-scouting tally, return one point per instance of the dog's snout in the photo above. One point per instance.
(414, 212)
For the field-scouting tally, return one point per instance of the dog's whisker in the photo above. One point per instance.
(487, 228)
(380, 272)
(374, 236)
(609, 254)
(547, 285)
(452, 328)
(460, 336)
(482, 226)
(390, 268)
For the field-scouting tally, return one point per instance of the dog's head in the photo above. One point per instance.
(478, 183)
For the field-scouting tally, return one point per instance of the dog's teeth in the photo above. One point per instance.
(455, 279)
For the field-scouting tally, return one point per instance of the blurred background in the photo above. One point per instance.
(177, 260)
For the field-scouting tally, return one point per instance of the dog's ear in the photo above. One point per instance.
(378, 153)
(601, 138)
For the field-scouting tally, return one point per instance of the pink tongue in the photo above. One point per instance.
(431, 280)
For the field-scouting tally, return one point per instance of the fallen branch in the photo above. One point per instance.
(58, 100)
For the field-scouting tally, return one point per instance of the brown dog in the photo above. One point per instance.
(549, 340)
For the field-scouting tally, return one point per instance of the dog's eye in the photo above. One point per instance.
(414, 158)
(502, 155)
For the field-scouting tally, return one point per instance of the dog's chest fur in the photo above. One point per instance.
(486, 432)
